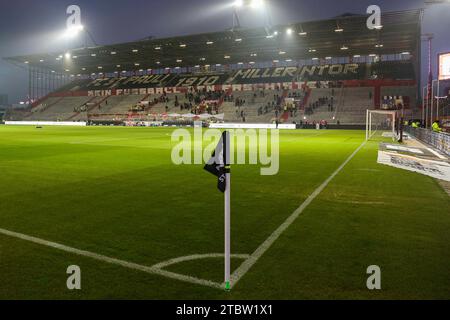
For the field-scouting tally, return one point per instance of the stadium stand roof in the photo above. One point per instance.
(400, 33)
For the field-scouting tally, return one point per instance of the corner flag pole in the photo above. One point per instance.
(226, 155)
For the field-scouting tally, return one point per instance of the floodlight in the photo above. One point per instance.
(73, 31)
(68, 55)
(289, 31)
(256, 3)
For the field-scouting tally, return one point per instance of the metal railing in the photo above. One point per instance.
(440, 141)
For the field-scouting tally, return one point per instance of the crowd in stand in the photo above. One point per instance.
(83, 108)
(239, 102)
(322, 101)
(197, 101)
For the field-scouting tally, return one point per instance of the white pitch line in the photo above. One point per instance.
(122, 263)
(170, 262)
(254, 257)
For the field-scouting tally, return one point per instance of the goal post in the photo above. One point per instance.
(379, 121)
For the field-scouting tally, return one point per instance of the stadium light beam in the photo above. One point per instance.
(257, 4)
(72, 32)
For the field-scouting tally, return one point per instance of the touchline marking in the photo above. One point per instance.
(254, 257)
(130, 265)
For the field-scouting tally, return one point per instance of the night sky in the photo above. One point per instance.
(28, 27)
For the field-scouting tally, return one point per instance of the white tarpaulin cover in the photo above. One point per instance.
(404, 149)
(435, 169)
(219, 116)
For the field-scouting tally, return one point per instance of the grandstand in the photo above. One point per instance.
(319, 76)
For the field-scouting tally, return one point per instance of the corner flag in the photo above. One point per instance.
(219, 165)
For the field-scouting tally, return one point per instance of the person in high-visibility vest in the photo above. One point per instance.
(436, 127)
(415, 124)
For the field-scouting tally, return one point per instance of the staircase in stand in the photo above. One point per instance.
(46, 107)
(90, 108)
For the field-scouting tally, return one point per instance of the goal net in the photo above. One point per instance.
(380, 124)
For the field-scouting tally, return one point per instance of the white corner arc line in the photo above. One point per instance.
(122, 263)
(254, 257)
(170, 262)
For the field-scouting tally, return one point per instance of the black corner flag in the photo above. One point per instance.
(217, 164)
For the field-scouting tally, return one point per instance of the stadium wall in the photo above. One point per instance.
(46, 123)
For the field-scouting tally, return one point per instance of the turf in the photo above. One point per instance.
(115, 192)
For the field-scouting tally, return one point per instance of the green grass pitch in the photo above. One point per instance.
(115, 192)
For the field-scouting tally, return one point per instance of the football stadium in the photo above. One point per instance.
(286, 161)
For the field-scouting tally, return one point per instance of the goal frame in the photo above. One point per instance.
(369, 114)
